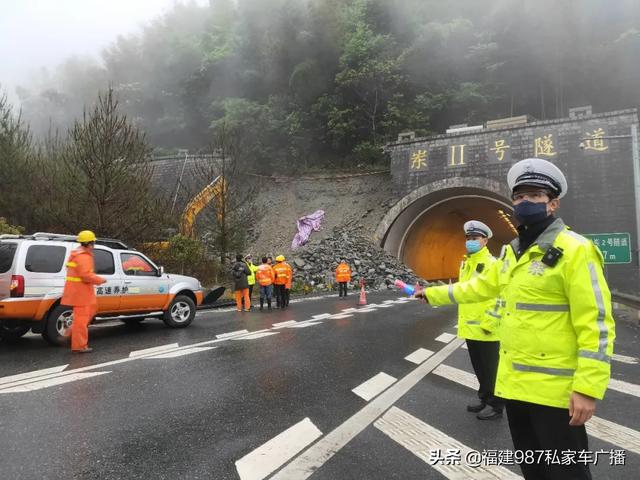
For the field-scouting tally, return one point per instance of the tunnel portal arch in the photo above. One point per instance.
(424, 229)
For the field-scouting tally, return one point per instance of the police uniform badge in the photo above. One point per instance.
(537, 268)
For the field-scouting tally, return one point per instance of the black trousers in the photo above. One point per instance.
(484, 358)
(538, 427)
(287, 294)
(342, 289)
(280, 295)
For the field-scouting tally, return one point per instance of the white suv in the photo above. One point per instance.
(32, 277)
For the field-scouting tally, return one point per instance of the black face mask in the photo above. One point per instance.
(529, 213)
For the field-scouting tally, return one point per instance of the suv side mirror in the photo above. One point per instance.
(160, 271)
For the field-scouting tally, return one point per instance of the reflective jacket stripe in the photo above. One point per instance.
(72, 264)
(563, 372)
(604, 334)
(493, 314)
(603, 357)
(473, 322)
(451, 297)
(74, 279)
(541, 307)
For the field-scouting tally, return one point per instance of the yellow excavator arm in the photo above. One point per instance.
(215, 190)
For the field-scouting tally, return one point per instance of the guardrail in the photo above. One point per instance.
(632, 301)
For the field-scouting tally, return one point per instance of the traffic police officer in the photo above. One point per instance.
(556, 333)
(478, 322)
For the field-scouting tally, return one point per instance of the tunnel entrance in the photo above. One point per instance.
(425, 229)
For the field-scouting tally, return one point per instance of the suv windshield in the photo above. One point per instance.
(7, 252)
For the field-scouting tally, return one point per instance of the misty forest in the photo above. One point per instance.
(304, 85)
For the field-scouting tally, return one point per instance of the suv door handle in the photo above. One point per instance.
(128, 281)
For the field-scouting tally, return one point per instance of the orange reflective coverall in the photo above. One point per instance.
(281, 271)
(343, 273)
(265, 275)
(81, 295)
(289, 276)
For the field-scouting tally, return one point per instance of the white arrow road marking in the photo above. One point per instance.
(421, 438)
(624, 359)
(464, 345)
(321, 316)
(419, 356)
(255, 335)
(320, 452)
(38, 384)
(597, 427)
(232, 334)
(374, 386)
(365, 310)
(147, 351)
(283, 324)
(445, 338)
(180, 352)
(30, 375)
(265, 459)
(348, 310)
(341, 315)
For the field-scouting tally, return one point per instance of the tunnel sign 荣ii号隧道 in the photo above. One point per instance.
(616, 247)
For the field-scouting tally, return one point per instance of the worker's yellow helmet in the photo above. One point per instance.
(86, 236)
(280, 258)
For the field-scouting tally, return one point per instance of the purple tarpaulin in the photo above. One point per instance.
(306, 225)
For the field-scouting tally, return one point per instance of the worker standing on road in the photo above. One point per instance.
(287, 286)
(343, 276)
(478, 322)
(79, 291)
(240, 272)
(556, 332)
(252, 278)
(281, 272)
(265, 277)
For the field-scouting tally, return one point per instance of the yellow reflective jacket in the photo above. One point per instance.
(475, 319)
(251, 279)
(556, 332)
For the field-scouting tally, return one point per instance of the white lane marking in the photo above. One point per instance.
(320, 452)
(620, 435)
(348, 310)
(419, 356)
(31, 375)
(445, 338)
(365, 310)
(255, 335)
(147, 351)
(624, 359)
(374, 386)
(283, 324)
(341, 316)
(180, 352)
(259, 463)
(384, 305)
(304, 324)
(464, 345)
(421, 438)
(49, 382)
(596, 427)
(232, 334)
(624, 387)
(321, 316)
(459, 376)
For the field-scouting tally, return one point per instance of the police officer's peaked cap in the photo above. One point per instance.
(474, 227)
(539, 173)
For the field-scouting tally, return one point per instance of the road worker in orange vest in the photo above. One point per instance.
(265, 277)
(79, 291)
(287, 287)
(343, 276)
(281, 271)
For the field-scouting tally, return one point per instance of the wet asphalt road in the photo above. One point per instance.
(195, 415)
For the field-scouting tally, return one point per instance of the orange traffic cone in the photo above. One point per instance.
(363, 295)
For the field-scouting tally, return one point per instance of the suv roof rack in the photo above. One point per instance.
(107, 242)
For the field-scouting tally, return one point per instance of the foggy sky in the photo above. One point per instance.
(42, 33)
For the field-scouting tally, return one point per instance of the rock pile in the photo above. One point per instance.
(314, 264)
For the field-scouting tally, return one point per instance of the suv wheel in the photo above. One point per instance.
(58, 321)
(180, 313)
(12, 330)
